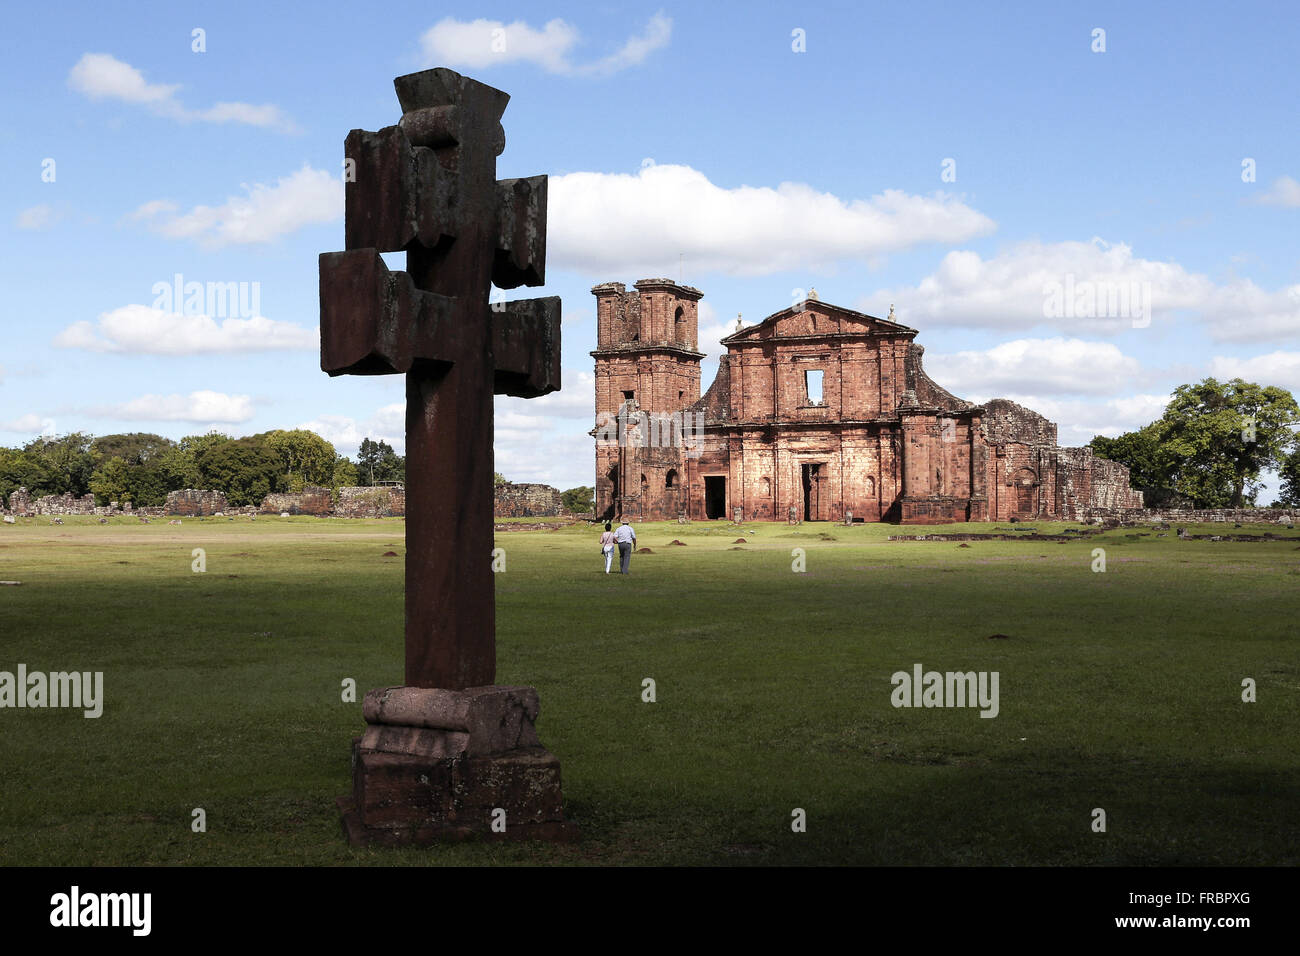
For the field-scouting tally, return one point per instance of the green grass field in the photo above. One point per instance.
(1118, 690)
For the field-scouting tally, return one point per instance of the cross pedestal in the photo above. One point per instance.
(448, 755)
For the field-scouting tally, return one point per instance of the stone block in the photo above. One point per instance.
(494, 718)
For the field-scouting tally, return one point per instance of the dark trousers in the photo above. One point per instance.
(624, 556)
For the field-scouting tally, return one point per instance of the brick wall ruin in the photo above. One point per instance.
(311, 500)
(382, 501)
(1129, 516)
(526, 501)
(194, 503)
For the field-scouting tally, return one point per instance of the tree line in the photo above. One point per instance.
(1207, 450)
(1211, 445)
(142, 468)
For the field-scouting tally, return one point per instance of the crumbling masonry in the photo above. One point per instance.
(817, 412)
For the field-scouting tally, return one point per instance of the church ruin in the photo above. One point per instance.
(817, 413)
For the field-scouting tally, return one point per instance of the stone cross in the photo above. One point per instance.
(428, 186)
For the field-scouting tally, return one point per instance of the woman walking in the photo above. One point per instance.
(607, 546)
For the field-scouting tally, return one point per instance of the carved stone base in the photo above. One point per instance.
(441, 765)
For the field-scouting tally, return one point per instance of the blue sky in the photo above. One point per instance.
(958, 162)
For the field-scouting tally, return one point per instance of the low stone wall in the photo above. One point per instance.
(193, 503)
(382, 501)
(1129, 516)
(310, 501)
(64, 504)
(526, 501)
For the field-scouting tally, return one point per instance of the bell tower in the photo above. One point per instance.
(646, 354)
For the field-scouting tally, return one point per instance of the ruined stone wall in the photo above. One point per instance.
(311, 500)
(194, 503)
(1005, 421)
(1110, 486)
(526, 501)
(63, 505)
(1025, 474)
(1129, 516)
(382, 501)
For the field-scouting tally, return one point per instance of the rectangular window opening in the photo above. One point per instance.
(812, 383)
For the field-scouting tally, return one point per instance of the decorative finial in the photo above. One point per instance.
(891, 312)
(812, 295)
(739, 323)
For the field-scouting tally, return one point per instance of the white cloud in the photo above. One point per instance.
(28, 424)
(41, 216)
(657, 33)
(1090, 287)
(1275, 368)
(562, 457)
(101, 76)
(613, 223)
(304, 198)
(1243, 312)
(200, 406)
(575, 399)
(155, 207)
(1284, 192)
(387, 424)
(712, 330)
(143, 330)
(264, 115)
(1056, 366)
(482, 43)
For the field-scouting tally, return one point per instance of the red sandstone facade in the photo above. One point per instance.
(881, 441)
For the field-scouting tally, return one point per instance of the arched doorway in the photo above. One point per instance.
(611, 510)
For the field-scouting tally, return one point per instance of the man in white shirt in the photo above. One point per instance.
(626, 539)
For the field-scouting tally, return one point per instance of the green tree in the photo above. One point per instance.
(305, 457)
(498, 479)
(377, 461)
(1210, 445)
(18, 469)
(178, 468)
(112, 481)
(580, 500)
(197, 444)
(1151, 466)
(345, 474)
(65, 464)
(245, 469)
(1221, 435)
(1289, 472)
(134, 448)
(149, 462)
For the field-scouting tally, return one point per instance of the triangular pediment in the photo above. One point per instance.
(813, 318)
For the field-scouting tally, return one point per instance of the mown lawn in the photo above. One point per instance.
(1118, 690)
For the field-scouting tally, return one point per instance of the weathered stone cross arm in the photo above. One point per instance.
(376, 322)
